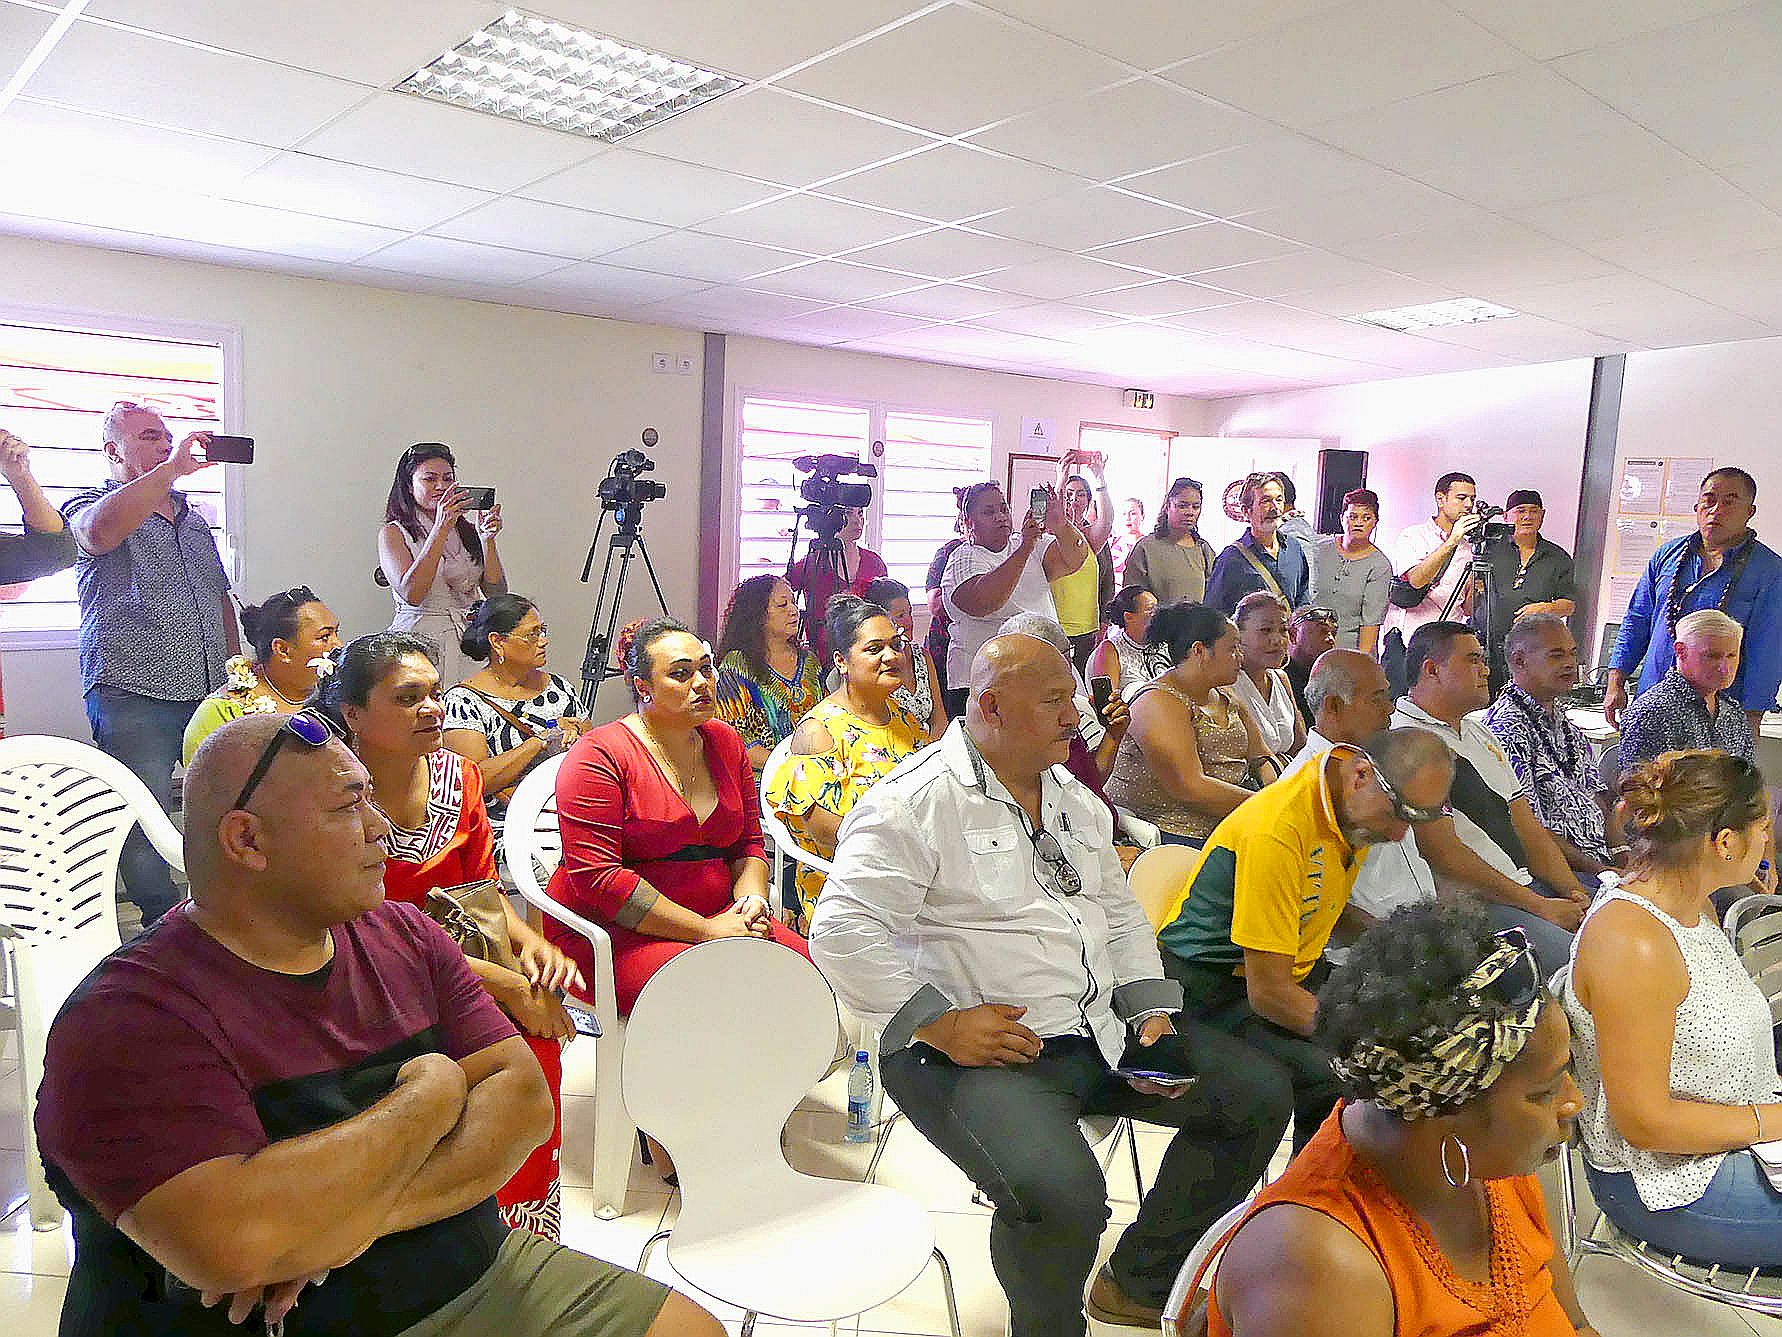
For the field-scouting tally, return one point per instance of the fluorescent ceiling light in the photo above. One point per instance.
(562, 78)
(1433, 315)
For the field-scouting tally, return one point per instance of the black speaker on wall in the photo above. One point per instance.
(1339, 472)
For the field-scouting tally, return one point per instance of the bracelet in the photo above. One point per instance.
(1757, 1113)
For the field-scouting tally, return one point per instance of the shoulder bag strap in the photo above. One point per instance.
(505, 714)
(1274, 585)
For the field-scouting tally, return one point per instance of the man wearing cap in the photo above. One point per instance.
(1531, 574)
(1310, 632)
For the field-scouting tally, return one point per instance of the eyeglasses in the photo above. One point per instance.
(1520, 983)
(1406, 812)
(1051, 854)
(308, 727)
(542, 632)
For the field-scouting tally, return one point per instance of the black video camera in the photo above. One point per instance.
(826, 496)
(623, 488)
(1494, 527)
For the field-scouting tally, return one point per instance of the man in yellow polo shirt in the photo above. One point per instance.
(1246, 937)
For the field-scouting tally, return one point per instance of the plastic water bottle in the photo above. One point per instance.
(860, 1099)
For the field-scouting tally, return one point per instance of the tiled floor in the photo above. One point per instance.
(33, 1266)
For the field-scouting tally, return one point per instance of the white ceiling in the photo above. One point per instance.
(1183, 195)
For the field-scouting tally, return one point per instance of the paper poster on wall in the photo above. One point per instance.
(1039, 436)
(1687, 472)
(1620, 595)
(1635, 542)
(1642, 486)
(1675, 528)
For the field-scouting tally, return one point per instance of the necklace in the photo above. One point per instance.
(269, 685)
(1733, 563)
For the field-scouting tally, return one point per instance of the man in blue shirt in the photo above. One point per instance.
(1722, 565)
(1263, 558)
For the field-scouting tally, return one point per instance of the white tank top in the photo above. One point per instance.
(1722, 1054)
(1275, 716)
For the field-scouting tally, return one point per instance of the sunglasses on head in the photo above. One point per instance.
(1305, 615)
(1406, 812)
(308, 727)
(1520, 983)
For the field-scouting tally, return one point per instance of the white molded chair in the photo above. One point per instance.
(65, 811)
(1177, 1309)
(534, 847)
(1754, 926)
(1157, 875)
(704, 1076)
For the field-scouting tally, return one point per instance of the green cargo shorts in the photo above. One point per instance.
(536, 1287)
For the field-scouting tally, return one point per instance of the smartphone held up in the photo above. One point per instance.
(221, 449)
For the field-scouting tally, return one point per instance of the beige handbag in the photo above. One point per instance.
(474, 916)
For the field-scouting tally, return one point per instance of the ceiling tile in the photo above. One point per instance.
(1693, 216)
(1749, 283)
(1164, 297)
(954, 70)
(1376, 294)
(20, 30)
(950, 183)
(635, 185)
(1284, 169)
(621, 287)
(840, 324)
(1064, 276)
(948, 301)
(811, 224)
(1133, 127)
(1546, 30)
(119, 73)
(760, 41)
(1391, 204)
(1761, 178)
(696, 255)
(1160, 34)
(389, 40)
(1085, 218)
(951, 253)
(1195, 250)
(965, 340)
(77, 141)
(1710, 87)
(549, 229)
(360, 194)
(1287, 275)
(440, 257)
(400, 133)
(1478, 256)
(1052, 320)
(1347, 59)
(1527, 338)
(726, 305)
(834, 281)
(772, 135)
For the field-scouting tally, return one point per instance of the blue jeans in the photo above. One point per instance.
(145, 734)
(1736, 1223)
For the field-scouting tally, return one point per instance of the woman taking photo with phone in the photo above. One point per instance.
(436, 561)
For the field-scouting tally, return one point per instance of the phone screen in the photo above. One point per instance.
(481, 498)
(1036, 502)
(230, 449)
(1101, 691)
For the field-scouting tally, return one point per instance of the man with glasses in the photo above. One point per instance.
(1245, 936)
(1493, 846)
(156, 621)
(978, 917)
(294, 1093)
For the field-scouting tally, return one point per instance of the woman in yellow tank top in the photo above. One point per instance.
(1079, 596)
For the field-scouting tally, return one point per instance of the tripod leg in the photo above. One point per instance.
(600, 639)
(650, 569)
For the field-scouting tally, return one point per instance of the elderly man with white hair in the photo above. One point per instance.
(1693, 706)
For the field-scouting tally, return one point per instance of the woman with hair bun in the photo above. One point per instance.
(1673, 1038)
(513, 713)
(292, 634)
(1414, 1211)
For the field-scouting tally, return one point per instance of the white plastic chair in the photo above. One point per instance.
(531, 841)
(705, 1076)
(1754, 927)
(1176, 1309)
(65, 811)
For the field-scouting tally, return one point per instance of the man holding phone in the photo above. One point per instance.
(156, 620)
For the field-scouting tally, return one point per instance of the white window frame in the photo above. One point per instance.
(228, 338)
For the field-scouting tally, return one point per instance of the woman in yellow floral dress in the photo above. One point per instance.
(847, 740)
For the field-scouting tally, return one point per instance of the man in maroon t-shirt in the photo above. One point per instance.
(289, 1089)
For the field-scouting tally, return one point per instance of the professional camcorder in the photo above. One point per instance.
(623, 487)
(826, 496)
(1494, 527)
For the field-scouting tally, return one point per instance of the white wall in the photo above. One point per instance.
(1509, 428)
(336, 379)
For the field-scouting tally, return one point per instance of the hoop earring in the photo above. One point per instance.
(1466, 1163)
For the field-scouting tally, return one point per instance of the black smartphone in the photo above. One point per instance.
(1101, 691)
(1036, 502)
(481, 498)
(230, 449)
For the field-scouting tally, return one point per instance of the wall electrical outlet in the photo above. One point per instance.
(661, 363)
(683, 365)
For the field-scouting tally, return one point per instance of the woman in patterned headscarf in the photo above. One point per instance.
(1415, 1208)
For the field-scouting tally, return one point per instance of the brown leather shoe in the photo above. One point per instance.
(1109, 1304)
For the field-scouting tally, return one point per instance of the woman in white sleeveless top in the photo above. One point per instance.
(1671, 1039)
(1262, 684)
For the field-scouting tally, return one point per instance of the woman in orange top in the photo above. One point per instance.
(1414, 1211)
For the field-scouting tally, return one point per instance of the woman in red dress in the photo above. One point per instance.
(661, 823)
(385, 697)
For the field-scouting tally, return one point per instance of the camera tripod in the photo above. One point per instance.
(825, 557)
(1482, 581)
(628, 542)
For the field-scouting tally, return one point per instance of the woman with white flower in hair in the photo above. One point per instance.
(1415, 1209)
(292, 634)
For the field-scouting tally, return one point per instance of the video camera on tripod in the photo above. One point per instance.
(826, 496)
(623, 493)
(624, 490)
(1493, 526)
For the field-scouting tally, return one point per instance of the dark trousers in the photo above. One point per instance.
(146, 735)
(1013, 1131)
(1081, 647)
(1218, 999)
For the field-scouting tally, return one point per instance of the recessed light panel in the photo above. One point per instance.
(563, 78)
(1434, 315)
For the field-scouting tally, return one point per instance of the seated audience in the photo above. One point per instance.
(941, 925)
(1673, 1040)
(921, 691)
(1002, 568)
(384, 698)
(1245, 937)
(1723, 566)
(47, 544)
(514, 712)
(1080, 596)
(1351, 577)
(1173, 561)
(940, 626)
(1262, 558)
(1415, 1208)
(1186, 760)
(435, 559)
(292, 635)
(1531, 575)
(861, 565)
(848, 740)
(1261, 684)
(1693, 706)
(1123, 658)
(1310, 632)
(1549, 754)
(1492, 845)
(292, 1078)
(1132, 529)
(767, 678)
